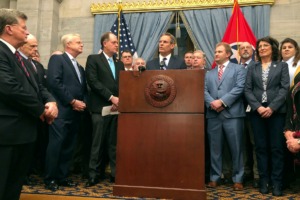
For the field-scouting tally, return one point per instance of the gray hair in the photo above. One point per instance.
(9, 17)
(65, 39)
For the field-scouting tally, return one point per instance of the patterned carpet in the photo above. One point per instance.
(105, 188)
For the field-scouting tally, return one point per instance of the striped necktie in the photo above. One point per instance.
(220, 73)
(19, 57)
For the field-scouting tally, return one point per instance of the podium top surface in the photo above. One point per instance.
(166, 91)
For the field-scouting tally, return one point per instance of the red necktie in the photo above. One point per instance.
(220, 73)
(19, 57)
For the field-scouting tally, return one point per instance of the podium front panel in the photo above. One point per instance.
(160, 149)
(187, 83)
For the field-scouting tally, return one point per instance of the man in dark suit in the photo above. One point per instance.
(102, 72)
(23, 102)
(166, 60)
(225, 114)
(28, 51)
(66, 81)
(251, 172)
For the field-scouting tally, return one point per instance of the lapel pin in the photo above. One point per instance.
(274, 65)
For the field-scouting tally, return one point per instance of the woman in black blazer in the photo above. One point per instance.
(266, 87)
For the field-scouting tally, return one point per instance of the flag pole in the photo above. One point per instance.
(237, 19)
(237, 29)
(119, 25)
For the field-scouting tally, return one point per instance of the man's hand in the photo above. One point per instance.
(292, 145)
(50, 112)
(78, 105)
(217, 105)
(115, 100)
(289, 134)
(114, 108)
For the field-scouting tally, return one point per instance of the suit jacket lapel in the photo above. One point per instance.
(171, 62)
(258, 71)
(70, 63)
(117, 69)
(227, 71)
(271, 72)
(33, 79)
(106, 64)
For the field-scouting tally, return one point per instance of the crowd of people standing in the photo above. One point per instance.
(253, 102)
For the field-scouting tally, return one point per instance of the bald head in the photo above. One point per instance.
(30, 48)
(138, 62)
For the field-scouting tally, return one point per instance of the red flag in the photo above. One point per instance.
(237, 31)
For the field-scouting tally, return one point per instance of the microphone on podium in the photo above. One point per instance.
(141, 69)
(162, 65)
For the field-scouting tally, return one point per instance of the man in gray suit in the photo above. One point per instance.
(225, 114)
(166, 60)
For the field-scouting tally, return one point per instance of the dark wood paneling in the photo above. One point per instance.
(160, 151)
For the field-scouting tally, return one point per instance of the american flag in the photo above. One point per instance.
(125, 40)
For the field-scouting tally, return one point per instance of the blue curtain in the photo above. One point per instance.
(103, 23)
(145, 29)
(207, 27)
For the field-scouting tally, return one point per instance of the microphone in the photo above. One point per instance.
(162, 65)
(141, 68)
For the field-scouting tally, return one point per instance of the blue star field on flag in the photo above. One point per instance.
(125, 40)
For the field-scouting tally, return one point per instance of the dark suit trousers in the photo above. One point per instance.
(104, 141)
(269, 146)
(14, 165)
(62, 140)
(110, 128)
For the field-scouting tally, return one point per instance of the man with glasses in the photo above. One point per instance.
(127, 60)
(166, 60)
(199, 60)
(23, 102)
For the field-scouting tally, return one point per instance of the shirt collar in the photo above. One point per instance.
(290, 61)
(161, 57)
(247, 62)
(70, 56)
(13, 49)
(23, 55)
(106, 56)
(225, 64)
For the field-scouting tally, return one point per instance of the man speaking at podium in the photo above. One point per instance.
(166, 60)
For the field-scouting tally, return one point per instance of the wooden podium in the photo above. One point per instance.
(160, 148)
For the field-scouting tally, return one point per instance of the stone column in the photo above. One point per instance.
(43, 22)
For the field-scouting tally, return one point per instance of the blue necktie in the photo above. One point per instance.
(112, 67)
(76, 69)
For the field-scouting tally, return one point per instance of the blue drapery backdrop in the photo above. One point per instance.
(206, 27)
